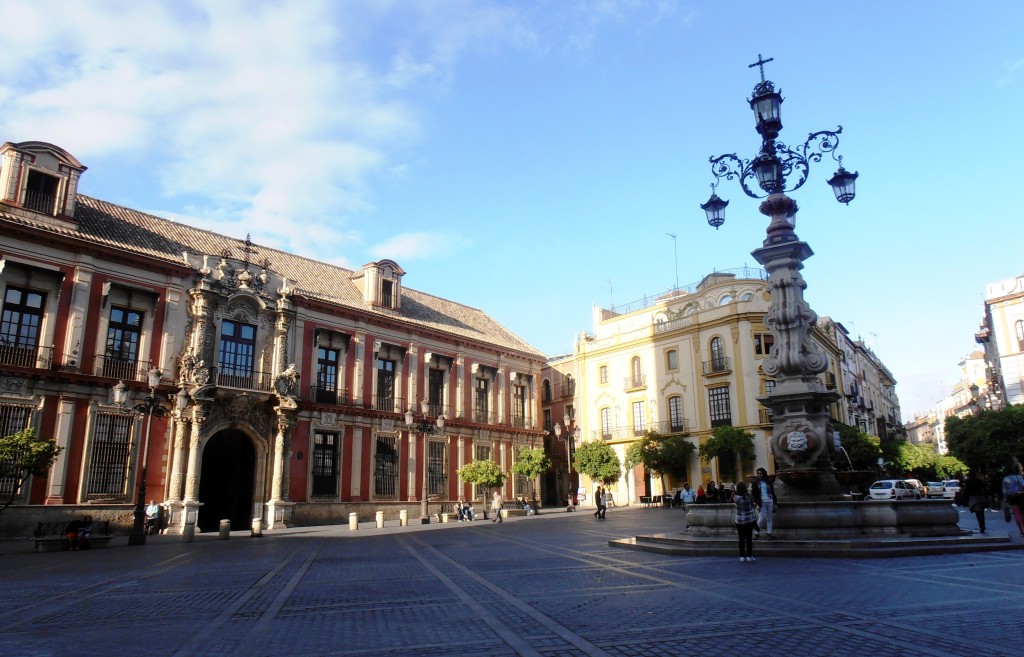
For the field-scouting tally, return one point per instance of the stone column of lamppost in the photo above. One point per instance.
(569, 438)
(425, 428)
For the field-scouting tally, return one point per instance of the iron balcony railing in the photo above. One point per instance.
(437, 409)
(388, 403)
(717, 366)
(618, 433)
(26, 356)
(244, 379)
(667, 427)
(634, 382)
(118, 367)
(483, 416)
(568, 388)
(39, 201)
(329, 395)
(765, 416)
(523, 422)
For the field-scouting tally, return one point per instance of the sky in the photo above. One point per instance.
(532, 157)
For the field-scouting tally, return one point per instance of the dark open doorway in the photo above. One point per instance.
(226, 482)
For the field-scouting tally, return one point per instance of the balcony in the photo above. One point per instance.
(483, 416)
(568, 388)
(388, 403)
(436, 409)
(717, 366)
(243, 380)
(679, 425)
(40, 202)
(830, 381)
(618, 433)
(523, 422)
(765, 416)
(326, 395)
(638, 382)
(25, 356)
(124, 369)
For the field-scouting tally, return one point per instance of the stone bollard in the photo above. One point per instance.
(444, 517)
(188, 534)
(225, 530)
(257, 528)
(353, 521)
(403, 518)
(380, 520)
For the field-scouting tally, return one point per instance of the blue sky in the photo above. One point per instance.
(529, 157)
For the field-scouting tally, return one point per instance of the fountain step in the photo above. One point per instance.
(894, 546)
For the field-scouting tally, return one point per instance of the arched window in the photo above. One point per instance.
(726, 300)
(717, 354)
(676, 423)
(546, 390)
(570, 386)
(637, 373)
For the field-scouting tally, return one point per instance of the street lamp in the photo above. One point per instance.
(799, 402)
(570, 437)
(149, 407)
(427, 429)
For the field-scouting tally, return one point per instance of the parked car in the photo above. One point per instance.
(935, 489)
(950, 488)
(916, 483)
(893, 489)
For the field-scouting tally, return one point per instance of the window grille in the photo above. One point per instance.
(13, 418)
(325, 464)
(108, 462)
(639, 418)
(385, 468)
(437, 469)
(719, 406)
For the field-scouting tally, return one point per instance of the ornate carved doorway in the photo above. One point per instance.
(226, 481)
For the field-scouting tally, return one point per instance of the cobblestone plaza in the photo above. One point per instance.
(545, 585)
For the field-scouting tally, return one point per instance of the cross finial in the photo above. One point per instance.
(248, 250)
(760, 64)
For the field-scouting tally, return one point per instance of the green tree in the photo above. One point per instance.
(666, 455)
(23, 454)
(949, 467)
(918, 460)
(726, 443)
(862, 449)
(634, 457)
(531, 464)
(990, 439)
(485, 474)
(598, 461)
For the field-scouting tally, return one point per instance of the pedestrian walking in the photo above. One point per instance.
(604, 503)
(743, 518)
(598, 501)
(1013, 495)
(763, 495)
(974, 490)
(496, 506)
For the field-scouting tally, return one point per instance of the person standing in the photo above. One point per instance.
(974, 491)
(152, 517)
(763, 495)
(604, 503)
(712, 492)
(1013, 495)
(496, 506)
(598, 500)
(687, 496)
(743, 518)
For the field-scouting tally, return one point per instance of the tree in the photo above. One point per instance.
(486, 474)
(23, 454)
(666, 455)
(598, 461)
(531, 464)
(634, 457)
(949, 467)
(862, 449)
(727, 442)
(988, 439)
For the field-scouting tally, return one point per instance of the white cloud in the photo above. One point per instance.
(420, 246)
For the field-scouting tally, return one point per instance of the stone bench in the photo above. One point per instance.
(50, 537)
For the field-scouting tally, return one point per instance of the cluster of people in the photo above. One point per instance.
(601, 500)
(752, 511)
(978, 495)
(464, 510)
(78, 532)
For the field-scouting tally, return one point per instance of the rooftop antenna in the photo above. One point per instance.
(675, 251)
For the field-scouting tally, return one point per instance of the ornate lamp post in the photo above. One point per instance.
(149, 407)
(802, 436)
(427, 428)
(570, 437)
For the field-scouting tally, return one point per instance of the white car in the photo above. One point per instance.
(950, 488)
(893, 489)
(935, 489)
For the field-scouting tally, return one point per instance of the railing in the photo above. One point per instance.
(388, 403)
(244, 380)
(125, 369)
(20, 356)
(679, 425)
(39, 201)
(672, 324)
(830, 380)
(481, 416)
(648, 301)
(438, 409)
(634, 382)
(717, 366)
(568, 388)
(324, 395)
(523, 422)
(765, 416)
(618, 433)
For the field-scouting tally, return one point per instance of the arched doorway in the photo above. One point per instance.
(226, 481)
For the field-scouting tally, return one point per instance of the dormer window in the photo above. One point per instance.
(387, 291)
(41, 192)
(39, 177)
(381, 284)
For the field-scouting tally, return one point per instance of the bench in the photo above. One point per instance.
(453, 515)
(50, 536)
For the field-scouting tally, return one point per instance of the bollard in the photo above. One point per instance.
(380, 520)
(444, 517)
(403, 518)
(225, 530)
(188, 534)
(257, 528)
(353, 521)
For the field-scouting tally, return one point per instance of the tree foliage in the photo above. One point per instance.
(725, 441)
(487, 474)
(598, 461)
(531, 463)
(666, 454)
(862, 449)
(990, 439)
(23, 454)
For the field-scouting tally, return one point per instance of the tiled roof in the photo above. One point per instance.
(136, 232)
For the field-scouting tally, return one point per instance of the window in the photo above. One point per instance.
(435, 392)
(13, 418)
(519, 406)
(547, 420)
(634, 367)
(717, 354)
(719, 406)
(639, 418)
(327, 375)
(676, 423)
(606, 423)
(672, 359)
(570, 411)
(19, 329)
(602, 373)
(569, 386)
(480, 409)
(41, 192)
(546, 390)
(437, 469)
(122, 353)
(387, 294)
(1019, 326)
(726, 300)
(237, 351)
(769, 386)
(325, 464)
(385, 468)
(108, 462)
(385, 399)
(763, 343)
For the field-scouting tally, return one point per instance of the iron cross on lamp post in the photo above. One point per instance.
(150, 406)
(800, 440)
(427, 428)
